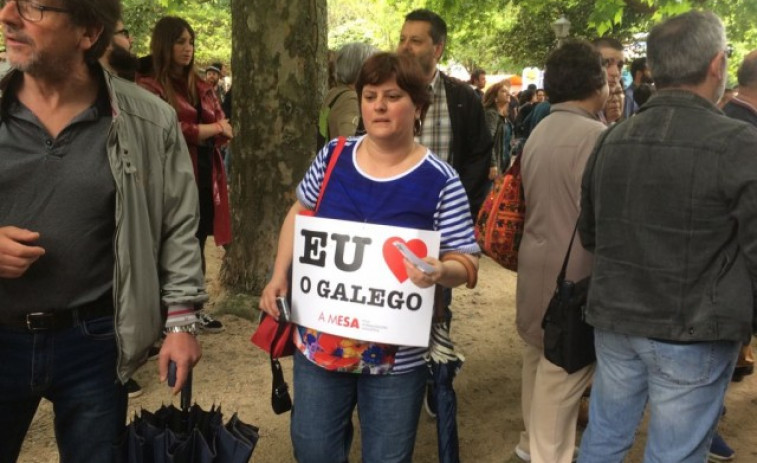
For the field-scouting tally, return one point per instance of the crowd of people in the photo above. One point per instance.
(110, 193)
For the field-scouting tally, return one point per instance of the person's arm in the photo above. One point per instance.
(220, 128)
(454, 222)
(449, 273)
(738, 177)
(279, 284)
(478, 163)
(492, 119)
(586, 219)
(226, 130)
(181, 279)
(307, 196)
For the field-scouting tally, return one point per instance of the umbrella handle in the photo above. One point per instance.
(186, 390)
(186, 393)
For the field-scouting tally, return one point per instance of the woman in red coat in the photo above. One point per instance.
(202, 120)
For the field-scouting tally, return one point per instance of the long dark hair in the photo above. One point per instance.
(166, 32)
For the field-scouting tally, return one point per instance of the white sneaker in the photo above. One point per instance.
(522, 454)
(525, 456)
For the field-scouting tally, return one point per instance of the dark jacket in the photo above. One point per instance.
(669, 207)
(501, 130)
(471, 141)
(741, 110)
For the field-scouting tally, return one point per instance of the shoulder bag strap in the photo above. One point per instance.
(561, 276)
(336, 97)
(332, 162)
(279, 332)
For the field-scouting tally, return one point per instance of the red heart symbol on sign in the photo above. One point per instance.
(395, 260)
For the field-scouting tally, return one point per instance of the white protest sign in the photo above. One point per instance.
(348, 279)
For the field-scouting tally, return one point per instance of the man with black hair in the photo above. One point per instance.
(214, 75)
(478, 82)
(118, 57)
(455, 126)
(641, 75)
(743, 106)
(98, 252)
(613, 58)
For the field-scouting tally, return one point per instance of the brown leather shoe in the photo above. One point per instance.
(745, 363)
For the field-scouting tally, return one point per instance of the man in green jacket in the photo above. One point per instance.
(97, 230)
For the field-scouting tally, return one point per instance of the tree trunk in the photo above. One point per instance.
(279, 62)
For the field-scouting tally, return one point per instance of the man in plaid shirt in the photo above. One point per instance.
(454, 129)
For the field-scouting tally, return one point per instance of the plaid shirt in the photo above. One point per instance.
(437, 128)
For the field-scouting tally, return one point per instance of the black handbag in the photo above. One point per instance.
(568, 339)
(281, 402)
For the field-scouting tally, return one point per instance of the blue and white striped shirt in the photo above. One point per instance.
(428, 196)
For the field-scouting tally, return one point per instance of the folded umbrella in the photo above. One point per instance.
(444, 363)
(187, 435)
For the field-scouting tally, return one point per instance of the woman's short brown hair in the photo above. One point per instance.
(381, 67)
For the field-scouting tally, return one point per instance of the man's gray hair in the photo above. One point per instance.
(680, 50)
(350, 59)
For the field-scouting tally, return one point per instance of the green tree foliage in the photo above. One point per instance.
(497, 35)
(211, 20)
(510, 34)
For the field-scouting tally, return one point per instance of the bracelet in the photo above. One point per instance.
(470, 271)
(190, 328)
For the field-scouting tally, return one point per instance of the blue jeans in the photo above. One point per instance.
(684, 385)
(388, 408)
(75, 369)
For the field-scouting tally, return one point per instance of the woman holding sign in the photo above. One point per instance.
(383, 178)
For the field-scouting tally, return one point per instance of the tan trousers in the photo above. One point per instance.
(549, 400)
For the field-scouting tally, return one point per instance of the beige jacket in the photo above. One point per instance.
(345, 113)
(552, 166)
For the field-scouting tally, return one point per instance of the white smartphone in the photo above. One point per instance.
(421, 264)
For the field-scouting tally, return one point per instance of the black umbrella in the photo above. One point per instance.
(187, 435)
(444, 363)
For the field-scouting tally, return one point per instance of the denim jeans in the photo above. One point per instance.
(388, 408)
(75, 369)
(684, 385)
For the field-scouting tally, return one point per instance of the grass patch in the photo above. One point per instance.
(239, 304)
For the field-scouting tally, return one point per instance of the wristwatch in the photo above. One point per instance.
(190, 328)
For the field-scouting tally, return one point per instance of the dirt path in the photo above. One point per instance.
(236, 375)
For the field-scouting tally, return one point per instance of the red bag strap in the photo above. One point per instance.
(332, 162)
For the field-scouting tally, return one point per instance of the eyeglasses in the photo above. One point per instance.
(124, 32)
(32, 11)
(728, 52)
